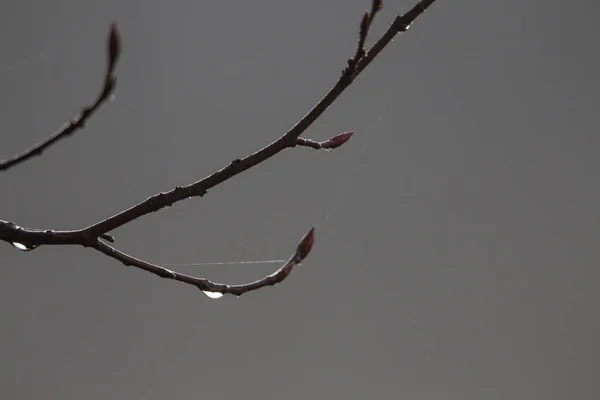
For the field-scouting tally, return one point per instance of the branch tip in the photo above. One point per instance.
(114, 46)
(339, 140)
(305, 246)
(376, 6)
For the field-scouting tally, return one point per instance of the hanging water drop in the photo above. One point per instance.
(23, 247)
(213, 295)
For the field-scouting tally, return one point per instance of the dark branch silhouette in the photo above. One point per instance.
(114, 49)
(93, 235)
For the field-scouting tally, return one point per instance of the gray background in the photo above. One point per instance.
(456, 253)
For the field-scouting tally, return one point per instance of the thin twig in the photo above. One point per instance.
(205, 285)
(114, 49)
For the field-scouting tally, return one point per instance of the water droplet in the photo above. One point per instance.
(23, 247)
(213, 295)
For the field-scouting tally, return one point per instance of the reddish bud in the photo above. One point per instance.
(340, 139)
(114, 45)
(305, 245)
(377, 5)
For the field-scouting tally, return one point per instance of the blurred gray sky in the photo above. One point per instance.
(456, 253)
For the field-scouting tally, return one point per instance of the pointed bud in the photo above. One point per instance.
(339, 140)
(114, 45)
(377, 5)
(305, 245)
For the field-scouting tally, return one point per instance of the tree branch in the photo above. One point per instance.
(114, 49)
(290, 139)
(213, 289)
(28, 239)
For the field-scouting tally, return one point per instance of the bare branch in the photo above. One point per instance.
(27, 239)
(114, 49)
(289, 139)
(206, 285)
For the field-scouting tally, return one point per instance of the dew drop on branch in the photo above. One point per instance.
(23, 247)
(213, 295)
